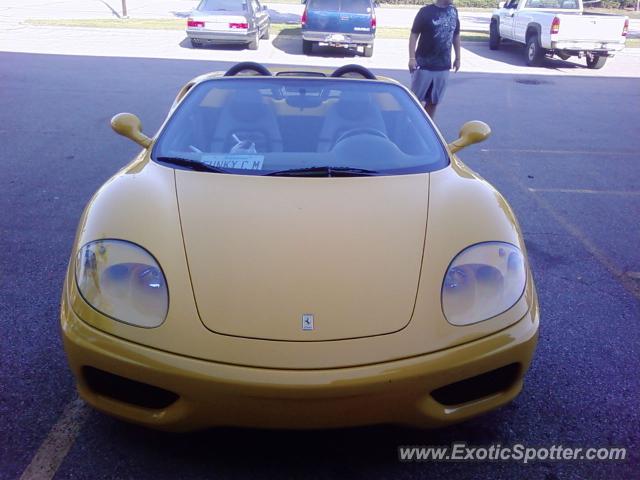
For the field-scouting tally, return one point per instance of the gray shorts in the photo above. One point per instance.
(429, 85)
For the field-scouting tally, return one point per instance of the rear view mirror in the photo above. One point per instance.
(128, 125)
(470, 133)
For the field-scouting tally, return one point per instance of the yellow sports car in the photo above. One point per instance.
(297, 250)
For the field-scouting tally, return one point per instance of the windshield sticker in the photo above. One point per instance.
(242, 162)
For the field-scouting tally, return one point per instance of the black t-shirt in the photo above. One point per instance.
(437, 26)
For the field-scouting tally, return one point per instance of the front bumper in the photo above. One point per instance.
(210, 36)
(339, 39)
(211, 394)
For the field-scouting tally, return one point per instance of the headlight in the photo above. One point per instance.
(483, 281)
(123, 281)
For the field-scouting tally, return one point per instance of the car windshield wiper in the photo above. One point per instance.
(192, 164)
(325, 171)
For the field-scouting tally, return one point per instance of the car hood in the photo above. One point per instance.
(265, 251)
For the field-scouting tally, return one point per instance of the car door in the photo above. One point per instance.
(507, 17)
(323, 16)
(260, 15)
(355, 16)
(522, 19)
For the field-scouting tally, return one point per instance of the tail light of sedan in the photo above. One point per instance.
(194, 23)
(374, 22)
(303, 20)
(555, 26)
(238, 26)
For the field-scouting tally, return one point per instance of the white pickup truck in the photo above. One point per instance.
(558, 27)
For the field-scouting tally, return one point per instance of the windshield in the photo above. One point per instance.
(324, 5)
(356, 6)
(554, 4)
(222, 5)
(258, 126)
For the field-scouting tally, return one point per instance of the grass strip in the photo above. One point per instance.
(284, 29)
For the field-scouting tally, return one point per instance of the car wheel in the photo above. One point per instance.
(265, 35)
(595, 62)
(368, 50)
(196, 43)
(494, 36)
(534, 53)
(253, 44)
(307, 46)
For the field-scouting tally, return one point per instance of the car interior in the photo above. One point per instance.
(294, 122)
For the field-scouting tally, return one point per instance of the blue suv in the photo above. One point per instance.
(339, 23)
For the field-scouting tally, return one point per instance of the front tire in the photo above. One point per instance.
(596, 62)
(494, 36)
(368, 50)
(307, 47)
(534, 53)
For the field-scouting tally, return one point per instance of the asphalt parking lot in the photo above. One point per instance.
(564, 152)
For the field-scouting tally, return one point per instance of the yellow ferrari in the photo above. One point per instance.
(297, 250)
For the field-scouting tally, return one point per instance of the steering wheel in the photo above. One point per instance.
(360, 131)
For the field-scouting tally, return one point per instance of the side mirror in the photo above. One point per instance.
(502, 4)
(128, 125)
(470, 133)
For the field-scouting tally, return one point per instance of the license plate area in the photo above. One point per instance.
(336, 38)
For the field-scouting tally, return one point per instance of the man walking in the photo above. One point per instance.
(435, 29)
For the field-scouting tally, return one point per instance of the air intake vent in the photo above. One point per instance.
(127, 390)
(477, 387)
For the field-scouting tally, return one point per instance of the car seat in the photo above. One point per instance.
(355, 110)
(248, 119)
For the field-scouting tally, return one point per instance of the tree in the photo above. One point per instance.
(124, 8)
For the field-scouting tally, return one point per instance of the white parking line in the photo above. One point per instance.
(628, 282)
(55, 447)
(623, 193)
